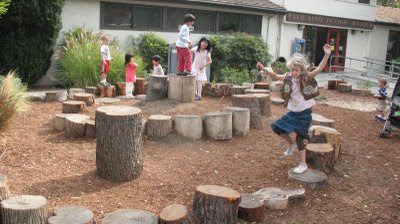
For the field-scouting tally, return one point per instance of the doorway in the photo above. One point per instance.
(337, 39)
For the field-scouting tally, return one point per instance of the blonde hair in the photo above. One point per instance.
(298, 62)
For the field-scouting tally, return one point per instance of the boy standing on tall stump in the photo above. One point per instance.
(105, 59)
(183, 45)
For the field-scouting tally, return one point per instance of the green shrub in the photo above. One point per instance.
(148, 45)
(28, 35)
(235, 76)
(3, 6)
(280, 67)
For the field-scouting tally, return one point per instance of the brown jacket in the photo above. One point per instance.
(308, 87)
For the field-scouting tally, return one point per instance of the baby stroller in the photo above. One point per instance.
(393, 118)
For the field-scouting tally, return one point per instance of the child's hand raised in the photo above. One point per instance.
(327, 49)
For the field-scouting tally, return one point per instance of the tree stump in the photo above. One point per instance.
(26, 209)
(92, 90)
(251, 102)
(218, 125)
(295, 195)
(75, 126)
(332, 84)
(361, 92)
(274, 198)
(322, 134)
(107, 91)
(4, 191)
(216, 204)
(189, 126)
(257, 91)
(318, 119)
(248, 85)
(240, 120)
(222, 90)
(121, 88)
(313, 179)
(130, 216)
(73, 91)
(251, 208)
(277, 101)
(73, 107)
(182, 88)
(90, 129)
(140, 86)
(158, 126)
(238, 89)
(344, 88)
(59, 96)
(119, 132)
(276, 86)
(72, 215)
(157, 88)
(265, 104)
(174, 214)
(59, 121)
(322, 155)
(207, 89)
(88, 98)
(261, 85)
(107, 100)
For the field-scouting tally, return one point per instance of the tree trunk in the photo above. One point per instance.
(158, 126)
(216, 204)
(92, 90)
(119, 156)
(321, 134)
(332, 84)
(59, 96)
(72, 214)
(85, 97)
(130, 216)
(75, 126)
(361, 92)
(218, 125)
(182, 88)
(251, 208)
(265, 104)
(240, 120)
(238, 90)
(322, 155)
(344, 88)
(222, 90)
(189, 126)
(251, 102)
(90, 130)
(313, 179)
(261, 85)
(121, 86)
(174, 214)
(73, 91)
(60, 120)
(140, 86)
(318, 119)
(4, 191)
(73, 107)
(157, 88)
(207, 89)
(26, 209)
(257, 91)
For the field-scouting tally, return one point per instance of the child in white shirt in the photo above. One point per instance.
(183, 45)
(202, 58)
(106, 59)
(157, 69)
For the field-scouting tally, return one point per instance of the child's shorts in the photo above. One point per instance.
(105, 68)
(382, 105)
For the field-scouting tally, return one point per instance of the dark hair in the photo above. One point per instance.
(156, 58)
(189, 18)
(128, 57)
(209, 47)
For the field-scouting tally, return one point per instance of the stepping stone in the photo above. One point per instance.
(107, 100)
(277, 101)
(60, 120)
(318, 119)
(248, 85)
(274, 198)
(88, 98)
(240, 120)
(73, 91)
(174, 214)
(141, 97)
(90, 131)
(75, 126)
(238, 89)
(313, 179)
(322, 156)
(295, 195)
(92, 89)
(218, 125)
(189, 126)
(73, 107)
(130, 216)
(56, 95)
(257, 91)
(251, 208)
(35, 96)
(72, 215)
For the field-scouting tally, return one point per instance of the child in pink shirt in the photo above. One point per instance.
(130, 75)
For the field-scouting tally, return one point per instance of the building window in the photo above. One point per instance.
(174, 18)
(230, 22)
(393, 48)
(205, 21)
(364, 1)
(233, 22)
(251, 24)
(147, 18)
(117, 16)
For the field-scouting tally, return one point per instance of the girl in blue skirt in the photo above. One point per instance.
(300, 89)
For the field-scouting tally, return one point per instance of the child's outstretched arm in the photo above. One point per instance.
(270, 72)
(327, 50)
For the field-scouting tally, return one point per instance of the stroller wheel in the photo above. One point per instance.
(384, 134)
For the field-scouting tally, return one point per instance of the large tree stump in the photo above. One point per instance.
(55, 95)
(251, 102)
(189, 126)
(222, 90)
(121, 88)
(59, 120)
(73, 91)
(75, 126)
(88, 98)
(265, 104)
(251, 208)
(344, 88)
(92, 90)
(274, 198)
(318, 119)
(361, 92)
(248, 85)
(140, 86)
(130, 216)
(73, 107)
(119, 132)
(261, 85)
(216, 204)
(312, 179)
(90, 129)
(26, 209)
(322, 155)
(72, 215)
(158, 126)
(276, 86)
(257, 91)
(157, 88)
(218, 125)
(238, 89)
(332, 84)
(107, 91)
(240, 120)
(174, 214)
(4, 191)
(182, 88)
(322, 134)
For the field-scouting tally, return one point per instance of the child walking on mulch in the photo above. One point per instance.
(106, 59)
(382, 97)
(300, 89)
(202, 58)
(130, 75)
(183, 45)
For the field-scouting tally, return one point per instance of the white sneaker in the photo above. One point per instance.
(289, 151)
(130, 97)
(301, 168)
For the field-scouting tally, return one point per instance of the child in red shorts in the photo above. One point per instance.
(183, 46)
(105, 58)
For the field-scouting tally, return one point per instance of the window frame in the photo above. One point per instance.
(148, 7)
(102, 16)
(366, 2)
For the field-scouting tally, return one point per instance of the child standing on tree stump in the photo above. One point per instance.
(106, 59)
(130, 75)
(202, 58)
(382, 97)
(183, 47)
(300, 89)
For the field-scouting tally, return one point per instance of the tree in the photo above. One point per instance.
(389, 3)
(3, 6)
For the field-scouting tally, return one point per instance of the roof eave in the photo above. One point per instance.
(377, 22)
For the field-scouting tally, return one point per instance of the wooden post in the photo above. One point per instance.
(119, 157)
(189, 126)
(218, 125)
(182, 88)
(216, 204)
(130, 216)
(59, 121)
(322, 134)
(240, 120)
(322, 155)
(75, 126)
(88, 98)
(251, 208)
(107, 91)
(174, 214)
(140, 86)
(72, 214)
(157, 88)
(158, 126)
(251, 102)
(26, 209)
(73, 107)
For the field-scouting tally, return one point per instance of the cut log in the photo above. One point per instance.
(361, 92)
(174, 214)
(312, 179)
(344, 88)
(215, 204)
(140, 86)
(73, 107)
(157, 88)
(277, 101)
(261, 85)
(238, 89)
(88, 98)
(248, 85)
(257, 91)
(158, 126)
(121, 86)
(207, 89)
(4, 191)
(322, 134)
(322, 155)
(276, 86)
(90, 129)
(107, 91)
(251, 102)
(332, 84)
(318, 119)
(26, 209)
(240, 120)
(107, 100)
(295, 195)
(75, 126)
(274, 198)
(265, 104)
(222, 90)
(130, 216)
(340, 82)
(60, 120)
(59, 96)
(251, 208)
(73, 91)
(182, 88)
(92, 90)
(218, 125)
(72, 215)
(119, 156)
(189, 126)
